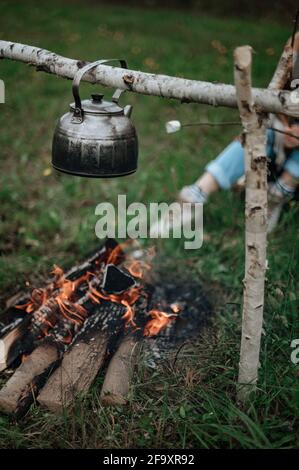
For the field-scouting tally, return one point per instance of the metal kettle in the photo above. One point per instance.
(96, 138)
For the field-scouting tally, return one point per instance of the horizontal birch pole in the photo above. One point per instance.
(185, 90)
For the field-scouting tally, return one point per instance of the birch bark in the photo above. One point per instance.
(215, 94)
(255, 223)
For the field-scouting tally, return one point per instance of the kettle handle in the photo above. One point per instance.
(77, 78)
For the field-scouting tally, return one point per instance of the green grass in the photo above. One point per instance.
(49, 218)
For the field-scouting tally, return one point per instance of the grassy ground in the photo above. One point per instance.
(46, 218)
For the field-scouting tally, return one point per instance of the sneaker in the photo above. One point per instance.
(191, 194)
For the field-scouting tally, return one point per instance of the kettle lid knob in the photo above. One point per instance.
(97, 97)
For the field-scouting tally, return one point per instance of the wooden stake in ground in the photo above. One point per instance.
(116, 385)
(284, 67)
(256, 223)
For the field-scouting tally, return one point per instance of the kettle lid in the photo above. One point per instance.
(96, 105)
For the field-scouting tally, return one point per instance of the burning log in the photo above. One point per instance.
(82, 361)
(65, 314)
(66, 286)
(19, 392)
(116, 386)
(21, 338)
(45, 305)
(19, 301)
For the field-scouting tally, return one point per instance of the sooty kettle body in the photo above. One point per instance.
(96, 138)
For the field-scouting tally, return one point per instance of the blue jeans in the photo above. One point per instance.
(229, 166)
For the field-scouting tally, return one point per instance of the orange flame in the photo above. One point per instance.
(71, 310)
(37, 299)
(57, 271)
(24, 357)
(159, 322)
(66, 290)
(127, 299)
(115, 255)
(137, 268)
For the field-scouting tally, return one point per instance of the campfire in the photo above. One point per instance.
(95, 316)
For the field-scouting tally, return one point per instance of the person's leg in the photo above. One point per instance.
(282, 190)
(290, 175)
(208, 183)
(221, 173)
(228, 167)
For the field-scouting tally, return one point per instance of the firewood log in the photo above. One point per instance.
(77, 371)
(83, 359)
(20, 390)
(11, 341)
(116, 386)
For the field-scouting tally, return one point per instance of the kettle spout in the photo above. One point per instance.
(128, 110)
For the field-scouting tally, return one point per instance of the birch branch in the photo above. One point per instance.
(146, 83)
(255, 224)
(283, 69)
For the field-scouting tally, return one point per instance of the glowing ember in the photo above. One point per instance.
(160, 320)
(176, 308)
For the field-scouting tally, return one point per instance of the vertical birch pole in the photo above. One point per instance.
(255, 223)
